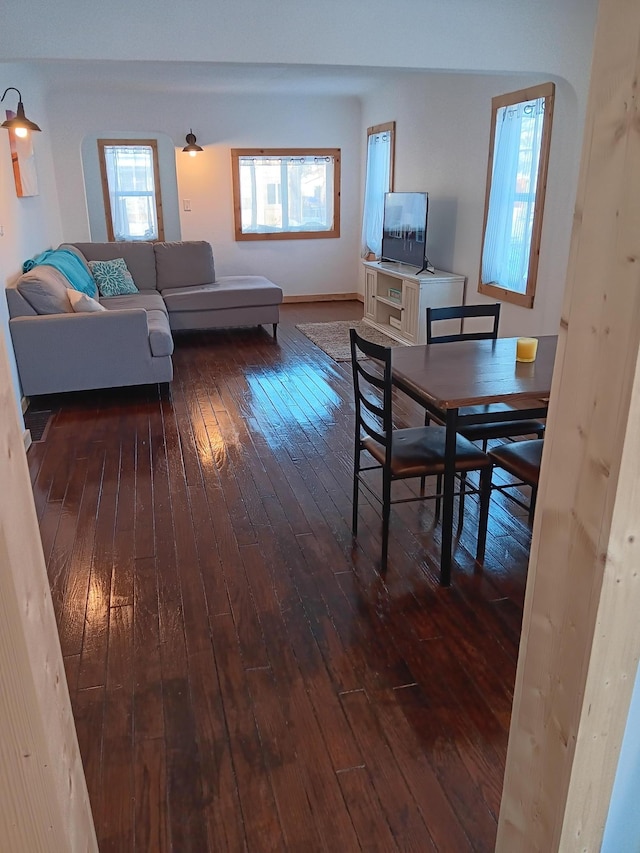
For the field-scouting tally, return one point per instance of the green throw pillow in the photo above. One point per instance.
(112, 277)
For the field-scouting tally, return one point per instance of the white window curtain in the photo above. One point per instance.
(132, 192)
(516, 155)
(377, 181)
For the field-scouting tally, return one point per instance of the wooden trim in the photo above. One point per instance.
(542, 90)
(324, 297)
(158, 190)
(581, 634)
(26, 439)
(493, 289)
(237, 153)
(24, 404)
(146, 143)
(106, 198)
(524, 300)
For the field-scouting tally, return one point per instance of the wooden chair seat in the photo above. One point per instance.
(419, 452)
(522, 460)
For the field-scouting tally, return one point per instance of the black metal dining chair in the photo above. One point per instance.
(401, 454)
(494, 429)
(522, 460)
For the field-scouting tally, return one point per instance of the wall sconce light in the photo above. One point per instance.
(191, 148)
(20, 124)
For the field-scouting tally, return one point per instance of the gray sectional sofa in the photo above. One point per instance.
(131, 342)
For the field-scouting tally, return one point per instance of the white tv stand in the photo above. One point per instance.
(396, 299)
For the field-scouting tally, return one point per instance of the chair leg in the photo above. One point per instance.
(386, 512)
(275, 330)
(463, 484)
(423, 480)
(438, 499)
(483, 520)
(356, 491)
(532, 503)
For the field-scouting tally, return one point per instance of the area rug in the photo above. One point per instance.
(333, 338)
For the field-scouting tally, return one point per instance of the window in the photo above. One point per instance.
(516, 183)
(378, 181)
(131, 189)
(285, 194)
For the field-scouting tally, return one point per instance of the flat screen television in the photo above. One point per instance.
(404, 229)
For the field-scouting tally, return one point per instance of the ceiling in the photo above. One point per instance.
(219, 78)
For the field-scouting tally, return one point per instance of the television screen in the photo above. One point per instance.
(404, 228)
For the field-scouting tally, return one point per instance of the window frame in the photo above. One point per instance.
(390, 128)
(493, 289)
(106, 195)
(238, 153)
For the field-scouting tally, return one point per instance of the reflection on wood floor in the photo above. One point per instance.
(241, 676)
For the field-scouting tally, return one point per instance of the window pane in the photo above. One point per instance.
(285, 194)
(378, 181)
(131, 183)
(512, 203)
(518, 160)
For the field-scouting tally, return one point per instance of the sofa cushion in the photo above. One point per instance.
(82, 304)
(160, 338)
(112, 277)
(233, 291)
(184, 264)
(45, 289)
(18, 305)
(147, 300)
(138, 256)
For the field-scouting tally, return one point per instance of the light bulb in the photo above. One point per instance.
(22, 132)
(192, 153)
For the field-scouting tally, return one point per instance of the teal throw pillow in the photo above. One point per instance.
(112, 277)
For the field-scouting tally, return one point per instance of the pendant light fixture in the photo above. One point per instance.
(20, 124)
(191, 148)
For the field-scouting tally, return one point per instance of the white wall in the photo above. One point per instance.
(442, 143)
(222, 122)
(30, 225)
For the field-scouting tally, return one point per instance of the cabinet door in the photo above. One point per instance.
(370, 294)
(410, 305)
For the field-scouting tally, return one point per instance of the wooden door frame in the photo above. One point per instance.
(44, 804)
(581, 634)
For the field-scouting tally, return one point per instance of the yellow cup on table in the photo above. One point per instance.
(526, 349)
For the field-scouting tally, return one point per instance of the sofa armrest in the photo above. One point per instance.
(70, 352)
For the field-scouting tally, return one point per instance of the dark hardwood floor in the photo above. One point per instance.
(242, 677)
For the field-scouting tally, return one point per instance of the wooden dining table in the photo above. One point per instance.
(447, 378)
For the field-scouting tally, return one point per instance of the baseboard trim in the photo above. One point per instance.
(324, 297)
(26, 438)
(25, 404)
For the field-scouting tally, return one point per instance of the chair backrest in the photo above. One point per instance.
(372, 389)
(461, 312)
